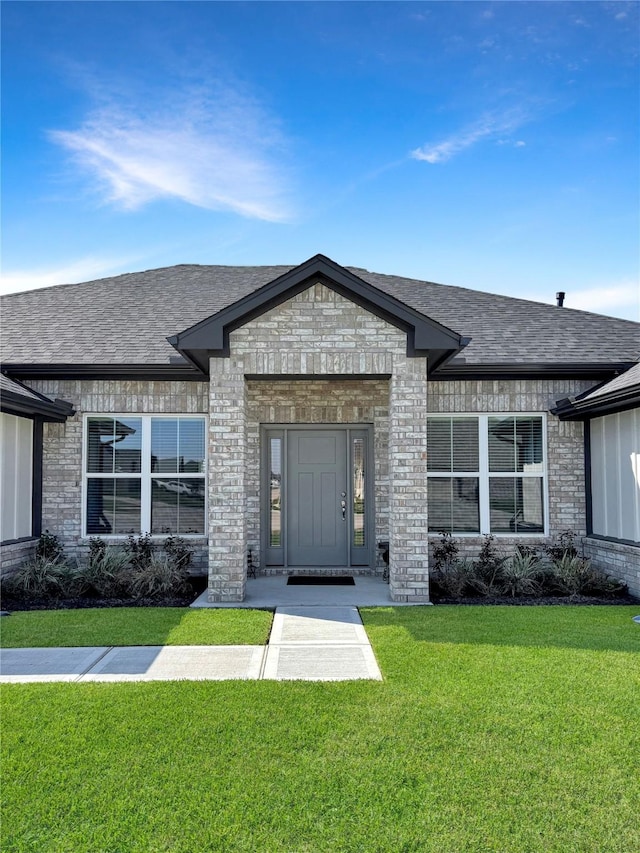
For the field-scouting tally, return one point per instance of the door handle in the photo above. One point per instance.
(343, 505)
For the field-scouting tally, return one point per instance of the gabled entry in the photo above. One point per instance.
(317, 504)
(425, 337)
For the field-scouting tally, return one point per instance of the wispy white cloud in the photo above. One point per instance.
(84, 269)
(490, 126)
(214, 149)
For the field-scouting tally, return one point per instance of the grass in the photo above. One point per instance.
(496, 729)
(135, 626)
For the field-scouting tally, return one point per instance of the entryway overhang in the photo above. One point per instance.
(425, 337)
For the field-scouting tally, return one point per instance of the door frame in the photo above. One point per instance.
(277, 557)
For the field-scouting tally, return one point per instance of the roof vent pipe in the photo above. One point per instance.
(560, 298)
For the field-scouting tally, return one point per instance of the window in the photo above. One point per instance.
(275, 492)
(16, 475)
(144, 474)
(486, 474)
(615, 475)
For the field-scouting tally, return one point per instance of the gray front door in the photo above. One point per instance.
(317, 498)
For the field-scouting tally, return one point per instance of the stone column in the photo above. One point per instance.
(227, 480)
(408, 544)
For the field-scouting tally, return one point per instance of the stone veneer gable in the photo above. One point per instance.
(317, 332)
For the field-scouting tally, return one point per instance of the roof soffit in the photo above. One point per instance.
(425, 337)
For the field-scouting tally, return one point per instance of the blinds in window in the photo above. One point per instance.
(452, 444)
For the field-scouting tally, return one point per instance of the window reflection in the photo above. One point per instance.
(358, 452)
(516, 505)
(119, 497)
(177, 445)
(453, 505)
(113, 506)
(114, 445)
(177, 505)
(275, 492)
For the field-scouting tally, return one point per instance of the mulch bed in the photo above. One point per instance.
(197, 584)
(13, 604)
(530, 600)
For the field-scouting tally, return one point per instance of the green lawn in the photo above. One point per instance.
(496, 729)
(135, 626)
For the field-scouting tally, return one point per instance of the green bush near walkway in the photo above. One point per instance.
(506, 729)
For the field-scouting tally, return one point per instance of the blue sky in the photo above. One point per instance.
(487, 145)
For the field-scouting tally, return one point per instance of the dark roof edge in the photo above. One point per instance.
(168, 372)
(211, 335)
(173, 372)
(579, 408)
(535, 370)
(37, 406)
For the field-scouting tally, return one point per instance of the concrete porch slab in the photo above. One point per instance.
(267, 592)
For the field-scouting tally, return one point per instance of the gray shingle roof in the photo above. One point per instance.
(8, 385)
(126, 319)
(627, 381)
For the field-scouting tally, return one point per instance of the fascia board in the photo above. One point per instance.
(13, 403)
(212, 333)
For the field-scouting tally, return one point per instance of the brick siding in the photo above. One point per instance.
(62, 443)
(14, 554)
(617, 559)
(338, 357)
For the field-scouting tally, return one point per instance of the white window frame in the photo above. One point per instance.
(145, 474)
(484, 475)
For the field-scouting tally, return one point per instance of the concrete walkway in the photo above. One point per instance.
(306, 643)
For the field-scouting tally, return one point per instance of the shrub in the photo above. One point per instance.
(159, 576)
(569, 574)
(520, 575)
(445, 552)
(177, 551)
(572, 575)
(140, 550)
(42, 578)
(49, 548)
(564, 546)
(454, 578)
(487, 568)
(97, 548)
(46, 575)
(107, 570)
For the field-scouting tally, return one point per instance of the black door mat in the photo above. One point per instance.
(320, 580)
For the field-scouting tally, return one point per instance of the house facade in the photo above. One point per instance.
(309, 419)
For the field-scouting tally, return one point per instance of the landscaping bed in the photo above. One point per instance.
(197, 585)
(140, 573)
(541, 601)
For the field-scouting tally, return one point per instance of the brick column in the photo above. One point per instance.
(408, 545)
(227, 480)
